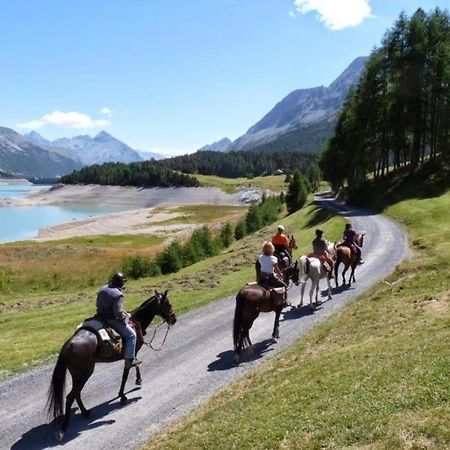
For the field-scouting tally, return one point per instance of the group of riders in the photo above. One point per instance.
(276, 255)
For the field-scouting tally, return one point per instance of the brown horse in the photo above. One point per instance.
(80, 353)
(250, 301)
(349, 259)
(280, 253)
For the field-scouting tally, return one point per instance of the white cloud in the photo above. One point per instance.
(106, 111)
(291, 14)
(62, 119)
(336, 14)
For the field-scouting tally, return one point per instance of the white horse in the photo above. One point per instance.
(313, 269)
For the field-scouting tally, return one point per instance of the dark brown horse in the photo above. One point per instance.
(250, 301)
(349, 259)
(80, 353)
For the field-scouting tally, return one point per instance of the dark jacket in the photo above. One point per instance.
(110, 303)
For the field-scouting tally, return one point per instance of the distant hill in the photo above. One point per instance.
(304, 119)
(219, 146)
(20, 156)
(150, 155)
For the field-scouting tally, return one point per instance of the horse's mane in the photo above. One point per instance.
(143, 305)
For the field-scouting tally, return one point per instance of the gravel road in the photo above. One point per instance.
(195, 362)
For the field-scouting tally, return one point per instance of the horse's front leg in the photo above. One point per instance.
(311, 293)
(123, 398)
(276, 325)
(329, 288)
(302, 293)
(138, 376)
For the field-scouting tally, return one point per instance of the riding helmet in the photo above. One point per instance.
(319, 232)
(118, 279)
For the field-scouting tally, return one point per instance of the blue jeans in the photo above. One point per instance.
(128, 334)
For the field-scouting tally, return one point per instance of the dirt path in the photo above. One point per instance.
(195, 362)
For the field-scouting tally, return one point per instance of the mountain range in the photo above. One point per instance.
(303, 120)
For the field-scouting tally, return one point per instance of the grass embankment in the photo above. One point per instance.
(33, 325)
(374, 376)
(232, 185)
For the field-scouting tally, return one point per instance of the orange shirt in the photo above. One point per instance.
(280, 239)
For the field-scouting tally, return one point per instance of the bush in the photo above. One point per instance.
(138, 267)
(226, 235)
(171, 259)
(253, 220)
(240, 230)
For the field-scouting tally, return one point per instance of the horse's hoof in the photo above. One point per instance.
(330, 297)
(123, 400)
(59, 435)
(86, 414)
(274, 340)
(138, 382)
(236, 359)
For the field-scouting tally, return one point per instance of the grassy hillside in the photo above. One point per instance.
(374, 376)
(52, 286)
(231, 185)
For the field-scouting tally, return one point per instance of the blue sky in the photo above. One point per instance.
(175, 75)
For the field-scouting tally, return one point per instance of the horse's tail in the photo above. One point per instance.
(55, 401)
(237, 326)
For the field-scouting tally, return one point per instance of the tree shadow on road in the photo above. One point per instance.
(43, 436)
(225, 359)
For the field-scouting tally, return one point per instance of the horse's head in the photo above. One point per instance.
(360, 239)
(165, 310)
(292, 243)
(292, 273)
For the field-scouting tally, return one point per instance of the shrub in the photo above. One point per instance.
(240, 230)
(171, 259)
(226, 235)
(139, 267)
(253, 220)
(297, 192)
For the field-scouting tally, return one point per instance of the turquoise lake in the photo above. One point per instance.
(23, 222)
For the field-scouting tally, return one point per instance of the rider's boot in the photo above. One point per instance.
(129, 363)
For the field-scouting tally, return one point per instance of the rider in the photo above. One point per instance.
(270, 274)
(281, 244)
(349, 240)
(320, 245)
(110, 309)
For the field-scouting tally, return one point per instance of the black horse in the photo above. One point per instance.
(80, 353)
(250, 301)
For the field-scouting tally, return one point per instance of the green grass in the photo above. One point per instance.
(46, 316)
(231, 185)
(209, 214)
(374, 376)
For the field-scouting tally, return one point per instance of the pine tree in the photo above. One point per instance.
(297, 193)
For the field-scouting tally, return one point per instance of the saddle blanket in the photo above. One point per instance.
(110, 342)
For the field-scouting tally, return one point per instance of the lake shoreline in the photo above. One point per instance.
(137, 209)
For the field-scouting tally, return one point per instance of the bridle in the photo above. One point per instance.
(167, 318)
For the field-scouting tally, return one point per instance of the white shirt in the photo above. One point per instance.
(267, 263)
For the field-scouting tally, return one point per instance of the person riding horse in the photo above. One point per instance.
(281, 244)
(349, 240)
(320, 245)
(269, 271)
(110, 310)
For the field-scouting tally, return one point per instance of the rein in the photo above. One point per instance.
(149, 343)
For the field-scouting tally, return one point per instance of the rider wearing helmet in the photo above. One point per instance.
(349, 240)
(110, 309)
(320, 246)
(281, 244)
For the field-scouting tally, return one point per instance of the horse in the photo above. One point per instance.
(250, 301)
(345, 255)
(312, 268)
(80, 353)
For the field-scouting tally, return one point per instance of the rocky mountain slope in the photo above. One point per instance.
(219, 146)
(20, 156)
(304, 108)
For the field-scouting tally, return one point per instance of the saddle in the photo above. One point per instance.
(110, 342)
(278, 295)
